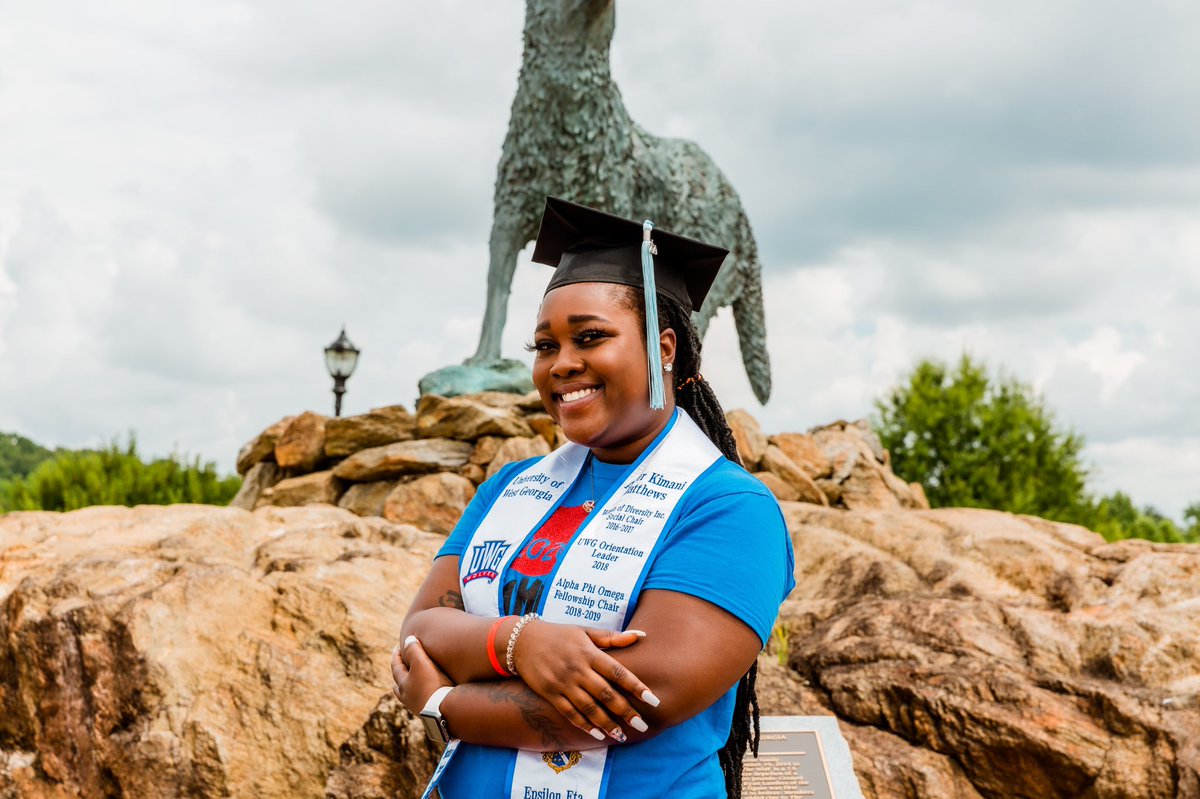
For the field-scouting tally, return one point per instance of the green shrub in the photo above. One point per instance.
(19, 456)
(115, 475)
(1115, 517)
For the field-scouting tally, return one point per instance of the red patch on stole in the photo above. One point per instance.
(538, 557)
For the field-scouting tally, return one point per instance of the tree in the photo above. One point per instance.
(19, 456)
(1115, 517)
(115, 476)
(977, 441)
(1191, 515)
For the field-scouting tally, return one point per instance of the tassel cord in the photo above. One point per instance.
(653, 349)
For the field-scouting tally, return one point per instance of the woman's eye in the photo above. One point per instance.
(539, 346)
(589, 336)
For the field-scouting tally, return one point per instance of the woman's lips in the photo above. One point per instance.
(577, 397)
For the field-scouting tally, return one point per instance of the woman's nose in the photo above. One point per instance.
(566, 363)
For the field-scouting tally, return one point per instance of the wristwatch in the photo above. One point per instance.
(431, 716)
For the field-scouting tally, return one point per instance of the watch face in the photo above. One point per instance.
(433, 728)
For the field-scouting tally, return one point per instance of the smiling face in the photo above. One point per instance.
(590, 369)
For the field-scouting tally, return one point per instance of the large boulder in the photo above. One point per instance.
(547, 428)
(486, 449)
(403, 458)
(307, 489)
(390, 757)
(531, 402)
(887, 766)
(780, 465)
(471, 417)
(751, 443)
(258, 479)
(432, 502)
(302, 445)
(517, 449)
(193, 651)
(1044, 661)
(381, 426)
(805, 452)
(860, 476)
(966, 653)
(367, 499)
(473, 472)
(262, 446)
(782, 490)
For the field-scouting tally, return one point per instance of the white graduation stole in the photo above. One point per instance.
(599, 575)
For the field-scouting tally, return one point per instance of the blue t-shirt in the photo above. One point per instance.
(728, 546)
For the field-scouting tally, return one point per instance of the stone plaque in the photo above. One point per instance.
(800, 757)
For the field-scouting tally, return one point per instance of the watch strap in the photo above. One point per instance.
(431, 715)
(433, 706)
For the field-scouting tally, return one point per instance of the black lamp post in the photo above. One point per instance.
(340, 358)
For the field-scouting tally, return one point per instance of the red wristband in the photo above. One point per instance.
(491, 648)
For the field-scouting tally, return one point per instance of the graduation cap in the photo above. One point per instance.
(590, 246)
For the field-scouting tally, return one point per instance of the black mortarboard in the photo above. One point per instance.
(590, 246)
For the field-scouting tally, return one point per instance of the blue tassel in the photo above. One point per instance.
(653, 350)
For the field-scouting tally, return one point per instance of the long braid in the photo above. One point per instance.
(698, 399)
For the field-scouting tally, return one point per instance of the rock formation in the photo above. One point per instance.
(361, 462)
(192, 651)
(975, 653)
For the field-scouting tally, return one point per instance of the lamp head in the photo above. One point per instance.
(341, 357)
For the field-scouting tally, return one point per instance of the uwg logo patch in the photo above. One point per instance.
(485, 561)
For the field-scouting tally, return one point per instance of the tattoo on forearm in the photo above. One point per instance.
(452, 599)
(533, 712)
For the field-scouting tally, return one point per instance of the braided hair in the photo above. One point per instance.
(698, 399)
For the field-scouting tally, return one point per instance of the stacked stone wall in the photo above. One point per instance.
(423, 467)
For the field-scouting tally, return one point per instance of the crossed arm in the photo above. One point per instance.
(578, 688)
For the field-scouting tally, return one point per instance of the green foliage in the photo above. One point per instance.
(115, 475)
(974, 441)
(1191, 515)
(781, 637)
(1115, 517)
(19, 456)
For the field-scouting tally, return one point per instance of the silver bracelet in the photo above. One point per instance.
(509, 662)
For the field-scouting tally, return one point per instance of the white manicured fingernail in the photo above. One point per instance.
(649, 698)
(638, 633)
(595, 733)
(637, 723)
(409, 641)
(396, 650)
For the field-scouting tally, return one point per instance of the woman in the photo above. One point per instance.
(591, 626)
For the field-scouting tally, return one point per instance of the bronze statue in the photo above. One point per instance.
(570, 135)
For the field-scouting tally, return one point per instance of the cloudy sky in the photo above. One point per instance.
(194, 197)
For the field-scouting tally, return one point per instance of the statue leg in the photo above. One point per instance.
(504, 246)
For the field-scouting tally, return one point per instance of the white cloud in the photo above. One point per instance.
(1103, 354)
(192, 201)
(1153, 471)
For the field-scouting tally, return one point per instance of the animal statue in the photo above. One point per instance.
(570, 135)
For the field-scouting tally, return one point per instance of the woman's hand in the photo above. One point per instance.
(565, 664)
(415, 674)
